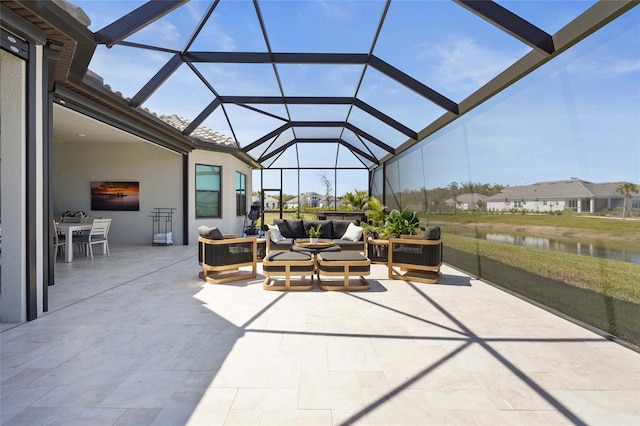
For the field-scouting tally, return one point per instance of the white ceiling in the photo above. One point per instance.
(69, 126)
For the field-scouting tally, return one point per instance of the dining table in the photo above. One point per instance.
(68, 228)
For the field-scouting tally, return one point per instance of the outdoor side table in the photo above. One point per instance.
(377, 250)
(262, 248)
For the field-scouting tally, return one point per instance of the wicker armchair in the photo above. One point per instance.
(222, 256)
(419, 257)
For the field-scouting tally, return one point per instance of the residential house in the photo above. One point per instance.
(307, 199)
(331, 202)
(467, 201)
(270, 203)
(574, 194)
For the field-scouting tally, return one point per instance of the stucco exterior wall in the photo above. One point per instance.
(530, 205)
(159, 172)
(229, 223)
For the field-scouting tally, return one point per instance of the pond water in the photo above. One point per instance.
(567, 246)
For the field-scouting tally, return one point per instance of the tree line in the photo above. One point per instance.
(429, 200)
(435, 200)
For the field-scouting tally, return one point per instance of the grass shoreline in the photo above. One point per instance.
(601, 231)
(609, 277)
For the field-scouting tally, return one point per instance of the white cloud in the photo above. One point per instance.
(460, 65)
(628, 66)
(224, 41)
(194, 13)
(216, 37)
(134, 67)
(333, 10)
(168, 31)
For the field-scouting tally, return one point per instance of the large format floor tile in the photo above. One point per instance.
(139, 339)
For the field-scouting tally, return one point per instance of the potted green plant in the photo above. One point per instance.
(401, 223)
(375, 217)
(314, 234)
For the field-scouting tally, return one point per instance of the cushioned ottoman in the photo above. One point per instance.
(345, 265)
(287, 265)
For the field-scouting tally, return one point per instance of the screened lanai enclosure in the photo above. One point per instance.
(477, 115)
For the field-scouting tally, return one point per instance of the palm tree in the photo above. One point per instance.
(626, 189)
(375, 215)
(358, 200)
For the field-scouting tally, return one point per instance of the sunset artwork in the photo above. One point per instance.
(115, 196)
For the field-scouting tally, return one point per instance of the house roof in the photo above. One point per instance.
(201, 133)
(266, 199)
(607, 189)
(392, 101)
(572, 188)
(303, 195)
(467, 198)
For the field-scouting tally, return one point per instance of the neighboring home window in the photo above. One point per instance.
(208, 191)
(241, 194)
(573, 204)
(635, 204)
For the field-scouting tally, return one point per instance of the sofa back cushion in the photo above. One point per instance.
(326, 228)
(298, 228)
(290, 228)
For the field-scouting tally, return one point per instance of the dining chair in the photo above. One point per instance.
(59, 240)
(97, 235)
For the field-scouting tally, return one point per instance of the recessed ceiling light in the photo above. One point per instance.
(82, 135)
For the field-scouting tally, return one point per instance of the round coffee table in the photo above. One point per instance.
(305, 245)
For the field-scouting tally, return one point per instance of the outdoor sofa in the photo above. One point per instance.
(336, 230)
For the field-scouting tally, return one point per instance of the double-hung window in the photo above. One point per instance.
(208, 191)
(241, 194)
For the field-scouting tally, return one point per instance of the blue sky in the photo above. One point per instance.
(575, 116)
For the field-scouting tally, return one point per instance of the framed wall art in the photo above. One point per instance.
(115, 196)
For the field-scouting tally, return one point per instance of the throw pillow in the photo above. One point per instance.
(276, 235)
(353, 233)
(432, 233)
(211, 233)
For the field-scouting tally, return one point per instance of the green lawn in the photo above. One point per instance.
(609, 277)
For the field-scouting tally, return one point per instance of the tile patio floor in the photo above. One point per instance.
(139, 339)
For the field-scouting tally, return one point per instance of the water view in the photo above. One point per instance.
(567, 246)
(122, 202)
